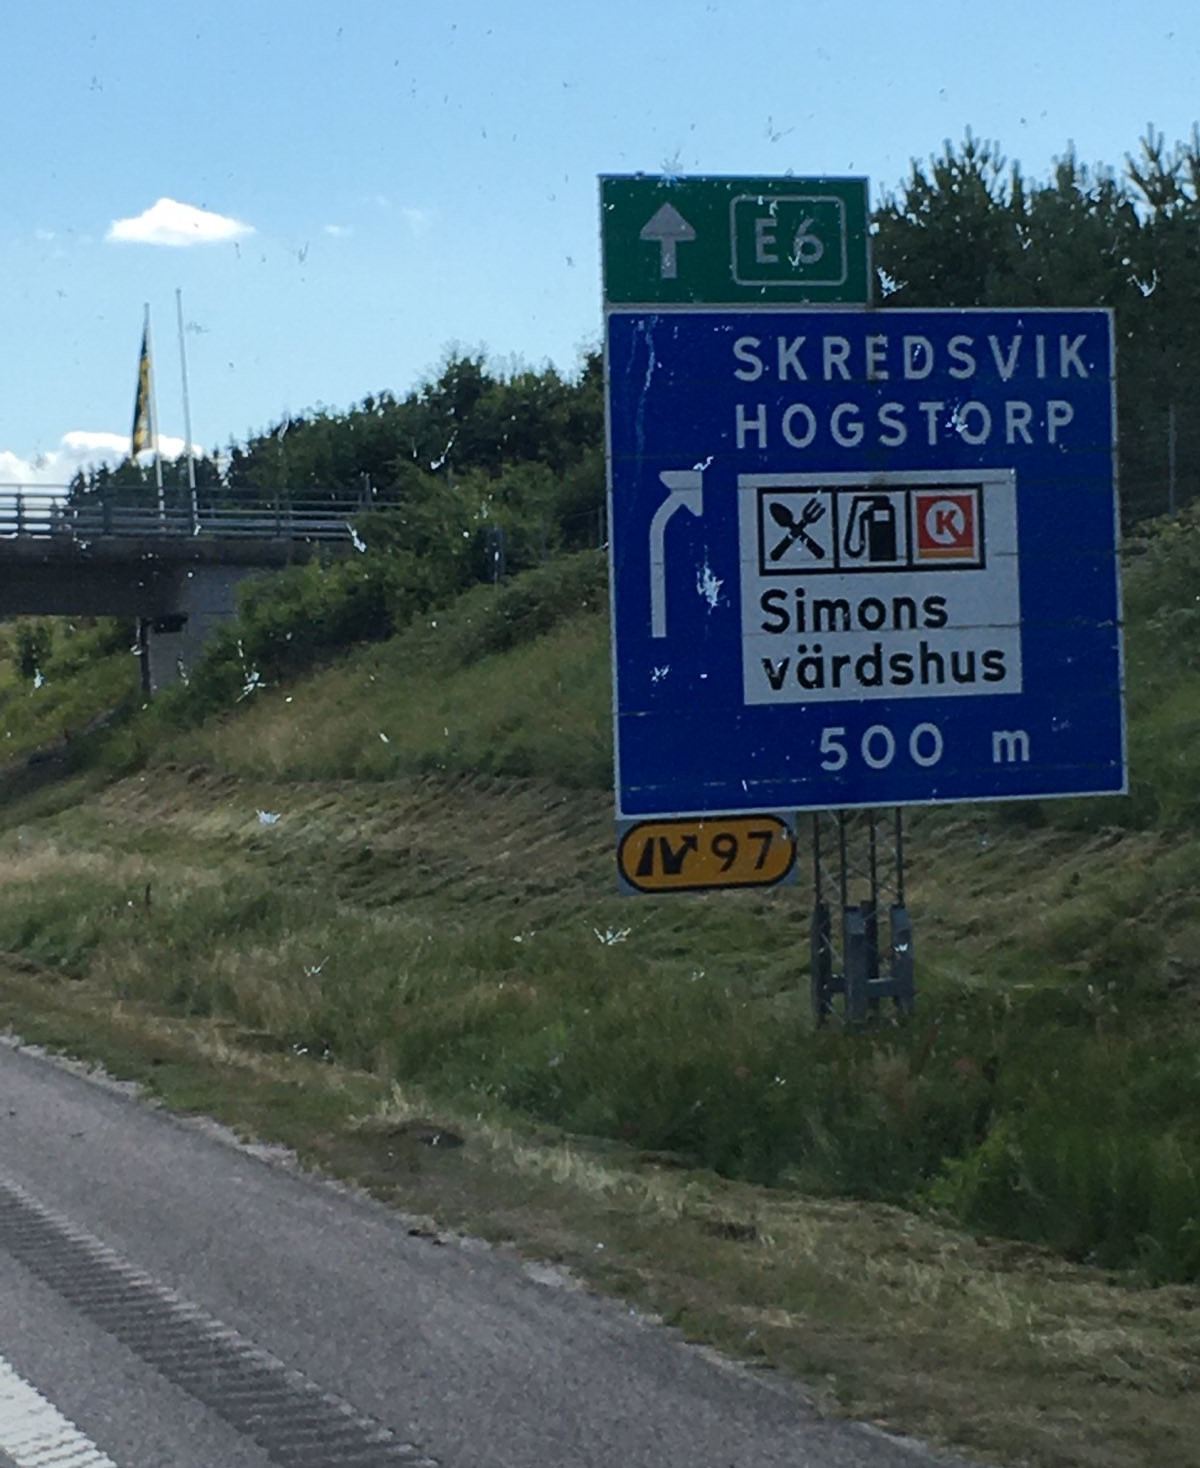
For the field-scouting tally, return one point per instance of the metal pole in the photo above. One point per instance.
(872, 853)
(900, 856)
(187, 413)
(871, 906)
(820, 948)
(903, 960)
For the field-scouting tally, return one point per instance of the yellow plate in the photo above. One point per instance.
(697, 853)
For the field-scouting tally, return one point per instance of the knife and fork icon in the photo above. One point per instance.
(796, 528)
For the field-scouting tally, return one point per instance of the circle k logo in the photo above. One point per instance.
(947, 525)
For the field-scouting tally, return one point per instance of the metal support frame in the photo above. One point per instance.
(854, 967)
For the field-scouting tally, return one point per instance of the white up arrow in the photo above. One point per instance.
(687, 492)
(669, 228)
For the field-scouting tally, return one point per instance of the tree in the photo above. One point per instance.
(968, 230)
(951, 235)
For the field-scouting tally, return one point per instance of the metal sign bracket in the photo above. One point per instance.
(851, 964)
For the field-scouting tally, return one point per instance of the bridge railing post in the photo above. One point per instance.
(20, 513)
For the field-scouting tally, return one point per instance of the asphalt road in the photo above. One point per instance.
(176, 1300)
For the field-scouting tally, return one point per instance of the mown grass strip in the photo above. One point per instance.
(998, 1348)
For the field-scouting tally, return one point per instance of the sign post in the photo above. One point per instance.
(859, 558)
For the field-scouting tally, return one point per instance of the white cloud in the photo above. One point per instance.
(418, 220)
(77, 450)
(338, 231)
(170, 223)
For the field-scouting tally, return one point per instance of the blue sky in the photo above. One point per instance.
(377, 181)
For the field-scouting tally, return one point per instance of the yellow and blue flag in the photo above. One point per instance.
(142, 436)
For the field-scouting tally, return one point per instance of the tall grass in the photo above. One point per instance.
(1047, 1088)
(1068, 1115)
(1161, 594)
(59, 679)
(510, 679)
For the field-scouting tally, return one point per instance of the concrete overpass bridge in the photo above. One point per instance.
(172, 566)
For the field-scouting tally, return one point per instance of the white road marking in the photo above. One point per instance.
(35, 1434)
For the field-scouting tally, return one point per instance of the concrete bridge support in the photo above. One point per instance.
(176, 589)
(172, 640)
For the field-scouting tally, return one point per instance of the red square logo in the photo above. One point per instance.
(947, 525)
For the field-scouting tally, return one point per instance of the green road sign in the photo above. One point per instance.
(734, 241)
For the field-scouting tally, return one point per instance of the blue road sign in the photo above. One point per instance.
(862, 558)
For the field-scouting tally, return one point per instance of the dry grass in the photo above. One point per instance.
(993, 1348)
(996, 1348)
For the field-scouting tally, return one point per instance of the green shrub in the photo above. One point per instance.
(32, 644)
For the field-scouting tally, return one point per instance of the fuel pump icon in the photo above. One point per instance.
(871, 532)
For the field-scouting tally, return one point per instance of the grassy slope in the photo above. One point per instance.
(433, 913)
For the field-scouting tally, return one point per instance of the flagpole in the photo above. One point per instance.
(153, 405)
(187, 412)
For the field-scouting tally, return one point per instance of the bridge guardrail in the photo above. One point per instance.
(46, 511)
